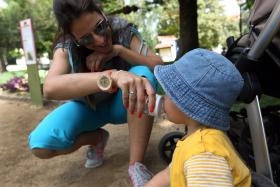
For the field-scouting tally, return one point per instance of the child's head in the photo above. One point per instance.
(203, 85)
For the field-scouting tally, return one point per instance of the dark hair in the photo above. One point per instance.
(66, 11)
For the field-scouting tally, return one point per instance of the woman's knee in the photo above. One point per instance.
(43, 153)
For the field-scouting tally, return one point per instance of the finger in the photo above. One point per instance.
(125, 97)
(141, 101)
(150, 93)
(120, 80)
(132, 95)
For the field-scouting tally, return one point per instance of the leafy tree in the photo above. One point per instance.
(213, 26)
(9, 27)
(43, 25)
(163, 16)
(169, 23)
(248, 4)
(146, 19)
(2, 60)
(110, 6)
(149, 17)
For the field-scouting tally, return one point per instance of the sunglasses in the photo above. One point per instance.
(100, 30)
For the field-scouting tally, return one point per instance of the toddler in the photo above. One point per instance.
(200, 89)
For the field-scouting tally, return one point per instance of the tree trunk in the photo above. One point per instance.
(2, 63)
(188, 26)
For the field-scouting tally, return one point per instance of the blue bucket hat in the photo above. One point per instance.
(203, 85)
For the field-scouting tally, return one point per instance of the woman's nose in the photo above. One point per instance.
(98, 40)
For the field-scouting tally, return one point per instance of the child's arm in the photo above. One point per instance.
(161, 179)
(207, 168)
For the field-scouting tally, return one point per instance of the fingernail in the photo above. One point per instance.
(152, 109)
(139, 115)
(131, 112)
(114, 88)
(126, 106)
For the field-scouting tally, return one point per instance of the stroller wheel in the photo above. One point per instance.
(167, 145)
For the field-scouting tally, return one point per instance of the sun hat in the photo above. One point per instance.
(203, 85)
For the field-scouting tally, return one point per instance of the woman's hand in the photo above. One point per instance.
(135, 91)
(96, 59)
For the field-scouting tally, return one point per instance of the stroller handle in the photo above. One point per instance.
(270, 30)
(261, 154)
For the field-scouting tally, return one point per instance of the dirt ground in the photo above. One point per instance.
(19, 168)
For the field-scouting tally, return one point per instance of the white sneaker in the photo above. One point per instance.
(95, 154)
(139, 174)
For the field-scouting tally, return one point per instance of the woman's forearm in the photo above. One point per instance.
(71, 86)
(135, 58)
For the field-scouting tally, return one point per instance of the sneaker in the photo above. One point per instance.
(139, 174)
(95, 154)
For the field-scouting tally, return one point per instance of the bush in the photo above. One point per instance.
(16, 84)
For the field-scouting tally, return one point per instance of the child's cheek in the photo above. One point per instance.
(166, 109)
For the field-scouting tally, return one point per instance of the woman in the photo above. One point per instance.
(94, 66)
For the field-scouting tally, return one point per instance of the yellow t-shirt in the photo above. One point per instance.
(214, 148)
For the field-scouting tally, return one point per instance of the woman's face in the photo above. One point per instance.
(87, 30)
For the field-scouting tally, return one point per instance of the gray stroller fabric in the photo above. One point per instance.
(259, 180)
(257, 19)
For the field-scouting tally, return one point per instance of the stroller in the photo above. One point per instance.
(257, 56)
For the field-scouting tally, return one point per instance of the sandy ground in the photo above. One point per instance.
(18, 167)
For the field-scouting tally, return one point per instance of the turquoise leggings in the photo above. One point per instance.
(59, 129)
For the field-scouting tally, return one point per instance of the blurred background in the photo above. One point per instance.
(170, 27)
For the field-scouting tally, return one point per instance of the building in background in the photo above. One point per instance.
(167, 48)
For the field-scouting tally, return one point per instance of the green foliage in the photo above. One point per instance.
(43, 24)
(213, 26)
(45, 27)
(110, 6)
(16, 53)
(6, 76)
(152, 19)
(146, 19)
(265, 101)
(9, 26)
(145, 13)
(248, 5)
(169, 23)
